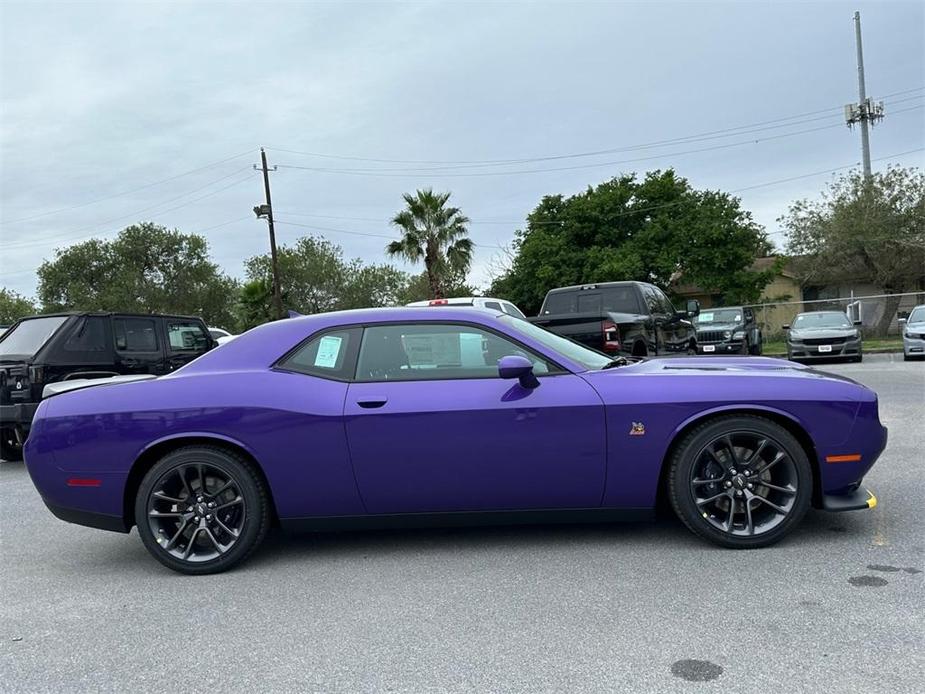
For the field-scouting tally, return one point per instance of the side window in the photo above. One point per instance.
(134, 334)
(493, 305)
(329, 355)
(511, 309)
(186, 336)
(664, 302)
(89, 335)
(436, 352)
(651, 298)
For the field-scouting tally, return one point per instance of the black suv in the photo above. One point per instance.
(728, 330)
(45, 349)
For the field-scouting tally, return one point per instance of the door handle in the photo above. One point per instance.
(372, 401)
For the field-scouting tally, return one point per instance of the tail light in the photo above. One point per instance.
(438, 302)
(36, 374)
(611, 336)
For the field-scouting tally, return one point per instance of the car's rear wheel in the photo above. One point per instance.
(740, 481)
(202, 510)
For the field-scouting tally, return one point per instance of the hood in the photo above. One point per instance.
(918, 326)
(822, 333)
(725, 366)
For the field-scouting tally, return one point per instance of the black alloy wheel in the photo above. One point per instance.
(740, 481)
(201, 510)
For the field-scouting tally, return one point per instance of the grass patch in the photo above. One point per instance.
(894, 344)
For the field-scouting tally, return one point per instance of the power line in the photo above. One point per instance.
(43, 242)
(489, 162)
(364, 172)
(126, 192)
(628, 212)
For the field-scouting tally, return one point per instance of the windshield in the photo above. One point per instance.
(26, 338)
(917, 316)
(588, 358)
(808, 321)
(720, 315)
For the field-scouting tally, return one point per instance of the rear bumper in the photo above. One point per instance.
(18, 414)
(858, 500)
(90, 519)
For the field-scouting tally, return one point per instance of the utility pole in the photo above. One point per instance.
(266, 211)
(865, 111)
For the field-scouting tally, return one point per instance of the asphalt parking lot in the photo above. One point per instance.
(836, 607)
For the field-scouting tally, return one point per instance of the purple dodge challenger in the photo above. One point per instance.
(383, 417)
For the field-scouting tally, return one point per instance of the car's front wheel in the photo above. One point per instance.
(740, 481)
(202, 510)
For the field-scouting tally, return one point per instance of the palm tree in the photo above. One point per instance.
(435, 233)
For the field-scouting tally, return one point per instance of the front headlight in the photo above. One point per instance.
(738, 335)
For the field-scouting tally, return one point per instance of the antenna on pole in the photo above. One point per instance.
(865, 111)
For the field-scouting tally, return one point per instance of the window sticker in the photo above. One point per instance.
(328, 351)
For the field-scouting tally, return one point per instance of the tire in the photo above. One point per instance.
(180, 476)
(10, 450)
(778, 512)
(757, 349)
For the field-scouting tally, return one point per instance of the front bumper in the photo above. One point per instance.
(798, 350)
(913, 346)
(729, 347)
(18, 414)
(858, 500)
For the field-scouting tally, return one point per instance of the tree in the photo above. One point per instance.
(436, 234)
(860, 230)
(14, 306)
(655, 230)
(315, 277)
(255, 303)
(147, 268)
(418, 288)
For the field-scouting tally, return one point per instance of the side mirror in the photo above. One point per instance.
(693, 307)
(785, 327)
(857, 322)
(902, 321)
(515, 366)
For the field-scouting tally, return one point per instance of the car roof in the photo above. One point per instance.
(263, 345)
(597, 285)
(810, 313)
(67, 314)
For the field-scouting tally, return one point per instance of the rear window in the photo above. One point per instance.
(26, 338)
(620, 299)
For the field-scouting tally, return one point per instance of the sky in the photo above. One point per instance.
(115, 113)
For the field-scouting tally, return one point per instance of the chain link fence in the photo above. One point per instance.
(878, 314)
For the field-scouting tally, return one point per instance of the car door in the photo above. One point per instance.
(660, 321)
(677, 330)
(431, 427)
(138, 345)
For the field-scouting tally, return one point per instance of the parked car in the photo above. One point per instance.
(913, 329)
(46, 349)
(220, 335)
(385, 417)
(632, 318)
(728, 330)
(486, 302)
(824, 335)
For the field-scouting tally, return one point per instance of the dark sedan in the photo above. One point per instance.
(824, 335)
